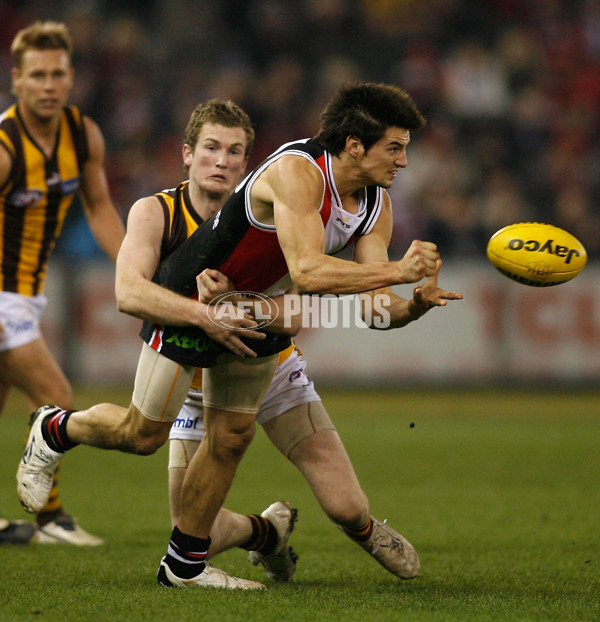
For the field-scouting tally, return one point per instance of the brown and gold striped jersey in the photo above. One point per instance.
(181, 219)
(35, 199)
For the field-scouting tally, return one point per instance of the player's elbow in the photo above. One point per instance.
(125, 302)
(125, 307)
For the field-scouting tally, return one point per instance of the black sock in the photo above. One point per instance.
(362, 534)
(54, 431)
(264, 536)
(186, 555)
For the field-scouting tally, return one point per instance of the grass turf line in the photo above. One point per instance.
(497, 490)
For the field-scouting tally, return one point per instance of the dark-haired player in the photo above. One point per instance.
(308, 200)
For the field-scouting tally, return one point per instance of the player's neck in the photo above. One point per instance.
(205, 204)
(42, 130)
(348, 178)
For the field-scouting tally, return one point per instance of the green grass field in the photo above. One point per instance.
(499, 492)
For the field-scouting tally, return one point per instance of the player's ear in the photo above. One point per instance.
(353, 146)
(187, 154)
(15, 75)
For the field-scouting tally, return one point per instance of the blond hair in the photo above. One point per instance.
(41, 36)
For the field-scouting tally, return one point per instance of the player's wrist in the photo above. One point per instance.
(415, 310)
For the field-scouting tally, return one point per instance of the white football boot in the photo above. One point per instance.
(64, 530)
(209, 577)
(280, 564)
(38, 464)
(393, 551)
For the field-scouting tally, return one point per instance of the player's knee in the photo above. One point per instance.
(347, 510)
(140, 435)
(232, 444)
(148, 445)
(237, 443)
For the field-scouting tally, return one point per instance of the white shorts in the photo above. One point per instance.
(20, 318)
(290, 387)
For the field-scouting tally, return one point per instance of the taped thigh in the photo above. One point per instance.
(161, 385)
(288, 429)
(237, 384)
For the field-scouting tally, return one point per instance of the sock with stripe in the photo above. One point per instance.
(264, 536)
(54, 431)
(186, 555)
(362, 533)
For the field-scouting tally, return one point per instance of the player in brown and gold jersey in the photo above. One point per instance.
(49, 152)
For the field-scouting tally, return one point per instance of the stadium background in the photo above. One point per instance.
(512, 92)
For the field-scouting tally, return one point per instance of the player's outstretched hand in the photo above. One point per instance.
(430, 295)
(419, 261)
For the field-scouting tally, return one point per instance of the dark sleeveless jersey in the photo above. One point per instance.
(248, 251)
(185, 344)
(35, 199)
(181, 219)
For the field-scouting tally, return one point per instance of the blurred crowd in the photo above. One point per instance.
(511, 89)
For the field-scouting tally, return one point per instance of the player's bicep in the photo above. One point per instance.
(94, 190)
(139, 255)
(297, 195)
(374, 246)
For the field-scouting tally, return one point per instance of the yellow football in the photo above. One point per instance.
(536, 254)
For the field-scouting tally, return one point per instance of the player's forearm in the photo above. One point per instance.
(151, 302)
(108, 230)
(330, 275)
(385, 311)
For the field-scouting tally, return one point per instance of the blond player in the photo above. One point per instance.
(49, 152)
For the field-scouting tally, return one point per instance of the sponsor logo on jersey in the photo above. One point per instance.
(294, 375)
(27, 198)
(199, 343)
(53, 180)
(70, 186)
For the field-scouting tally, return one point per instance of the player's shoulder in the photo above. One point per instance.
(384, 197)
(9, 129)
(146, 206)
(92, 129)
(304, 149)
(289, 171)
(298, 156)
(9, 113)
